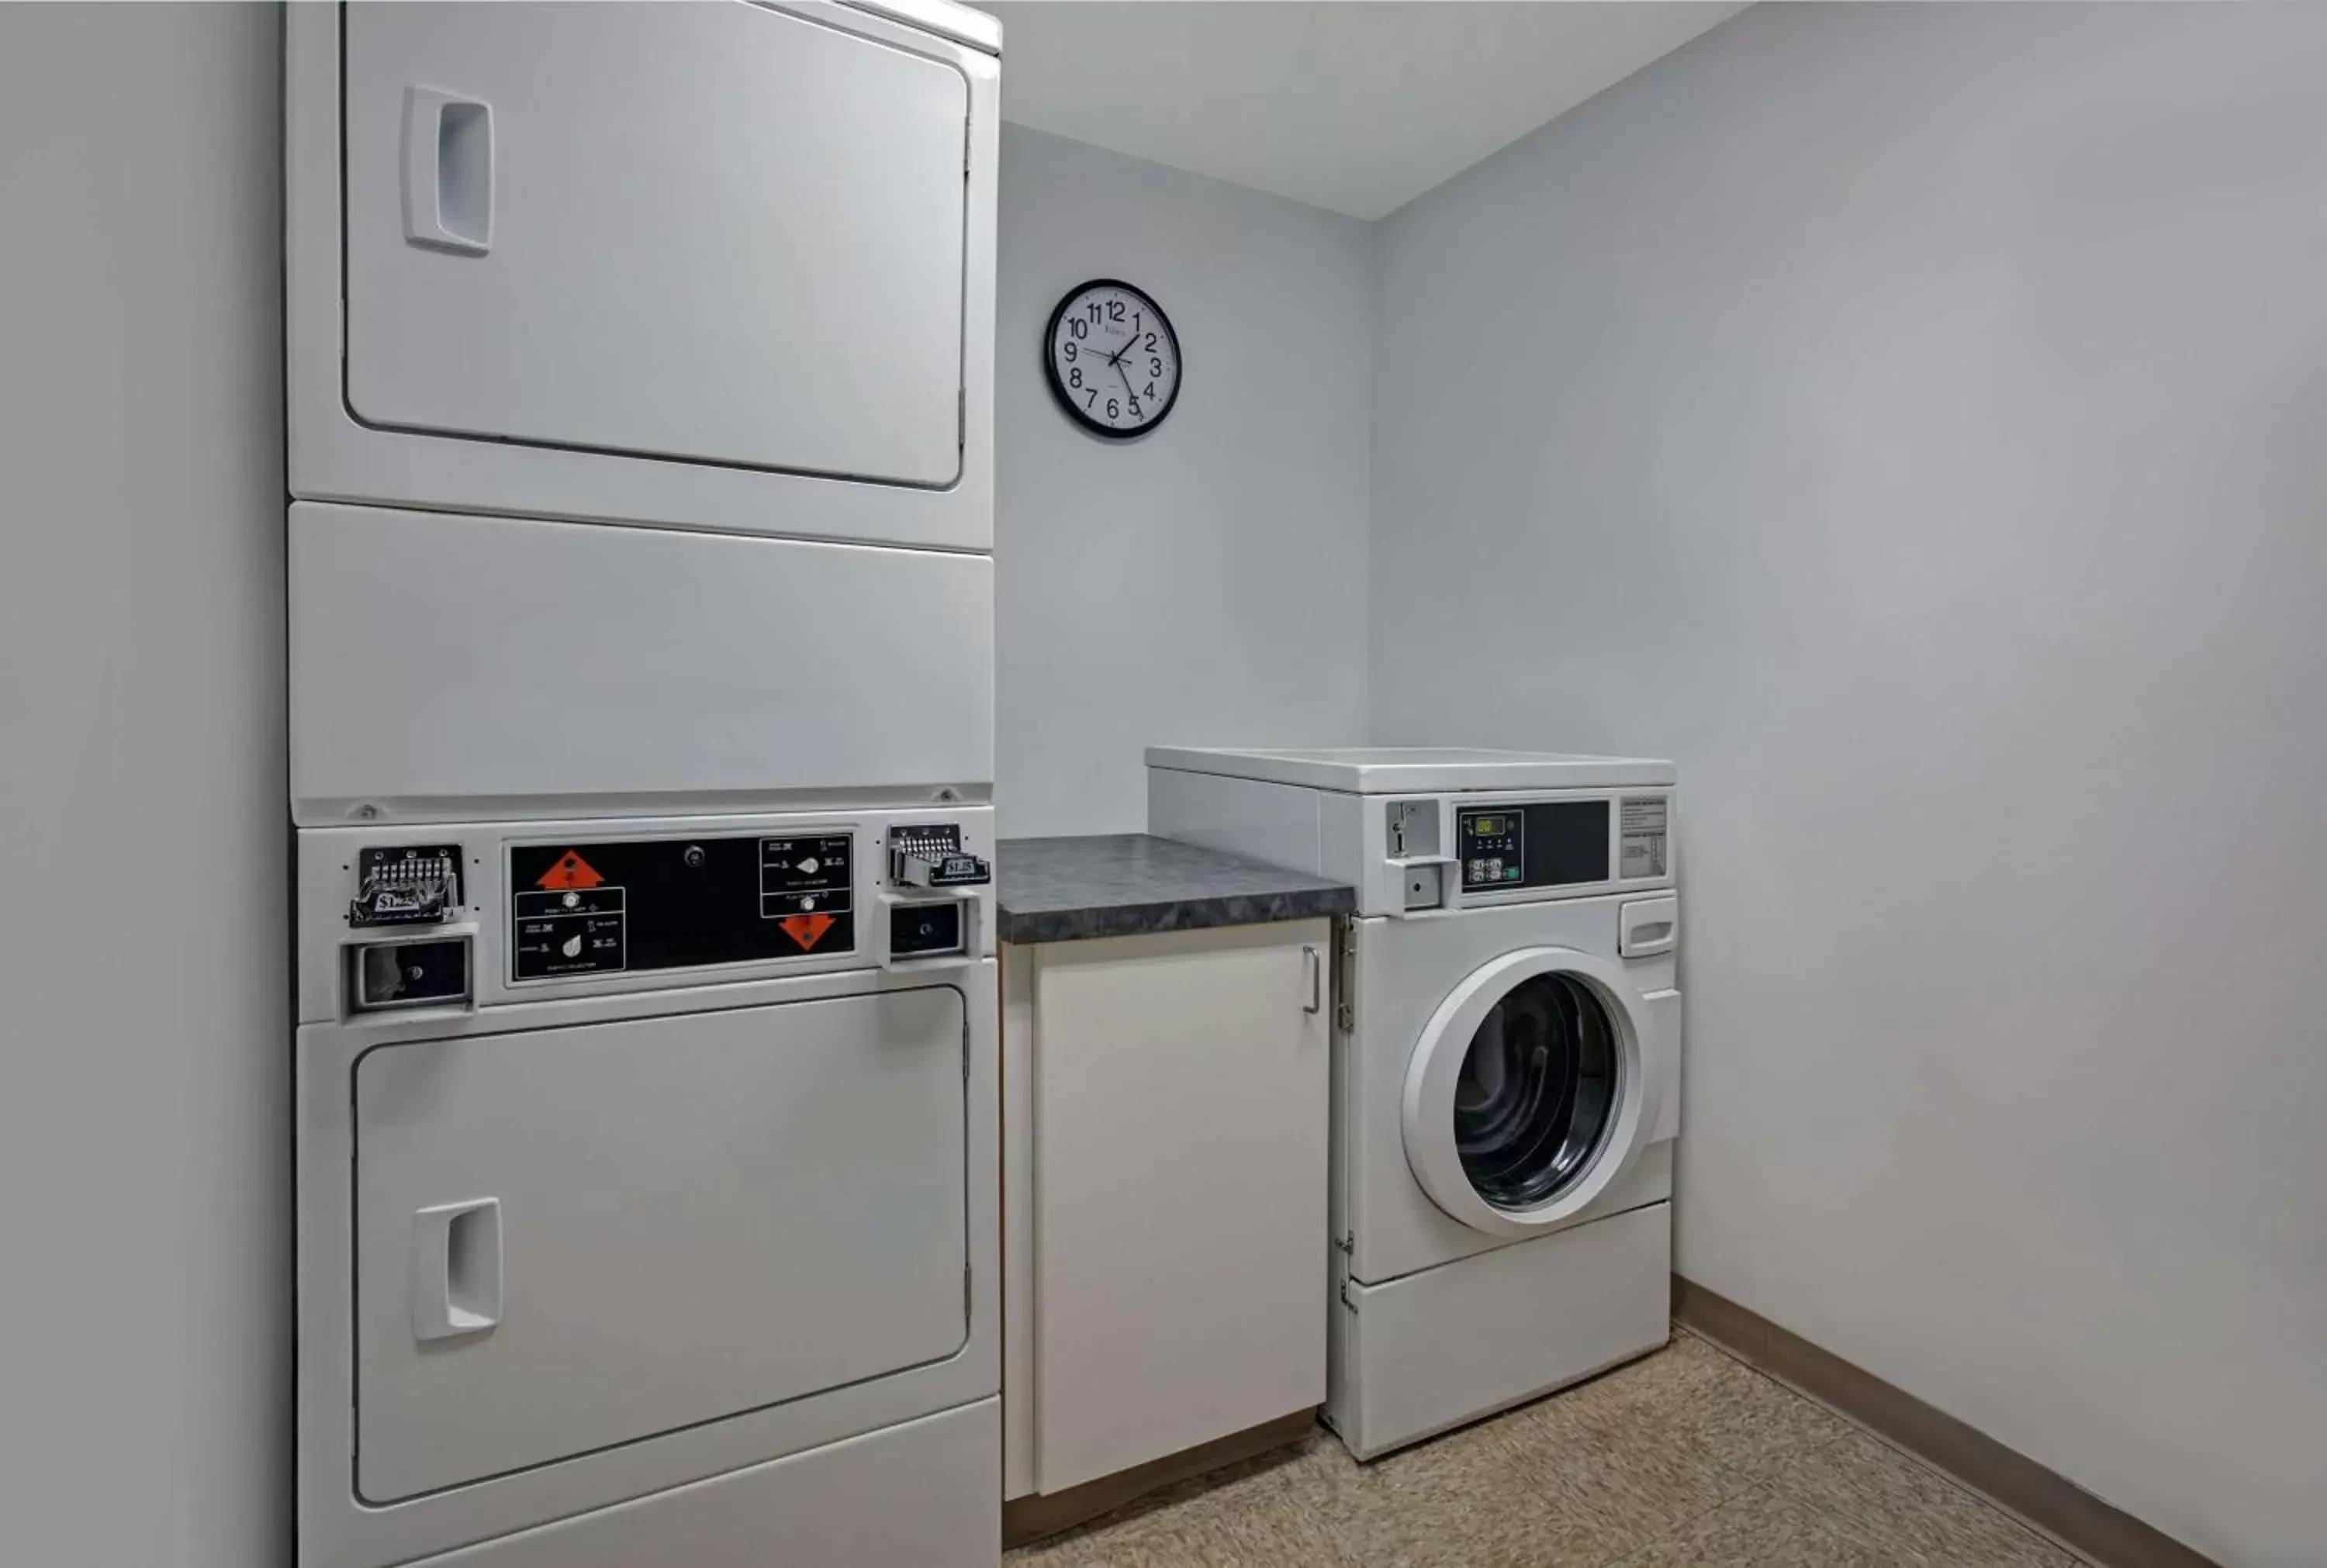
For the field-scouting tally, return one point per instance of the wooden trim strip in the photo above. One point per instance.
(2043, 1498)
(1031, 1519)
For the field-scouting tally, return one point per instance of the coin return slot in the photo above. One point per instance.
(1422, 888)
(390, 974)
(919, 930)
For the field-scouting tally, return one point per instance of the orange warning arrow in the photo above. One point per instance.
(571, 872)
(807, 930)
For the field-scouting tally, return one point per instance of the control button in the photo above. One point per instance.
(808, 903)
(572, 945)
(571, 899)
(808, 867)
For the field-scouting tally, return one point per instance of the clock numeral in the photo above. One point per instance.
(1092, 309)
(1113, 409)
(1156, 366)
(1115, 309)
(1075, 378)
(1135, 407)
(1071, 351)
(1150, 342)
(1079, 327)
(1150, 390)
(1090, 396)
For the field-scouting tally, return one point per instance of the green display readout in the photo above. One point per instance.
(1486, 826)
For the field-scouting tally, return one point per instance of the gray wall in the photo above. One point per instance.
(1205, 584)
(1914, 421)
(145, 1147)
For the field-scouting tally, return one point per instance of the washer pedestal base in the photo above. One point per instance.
(1414, 1356)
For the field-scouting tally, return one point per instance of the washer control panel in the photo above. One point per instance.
(1495, 849)
(1534, 844)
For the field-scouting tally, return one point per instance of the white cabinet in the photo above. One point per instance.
(1167, 1229)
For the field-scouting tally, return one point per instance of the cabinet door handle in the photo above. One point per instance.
(1316, 980)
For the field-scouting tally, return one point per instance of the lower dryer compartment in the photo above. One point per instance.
(689, 1217)
(1416, 1355)
(905, 1496)
(562, 1254)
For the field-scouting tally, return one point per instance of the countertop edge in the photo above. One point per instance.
(1078, 924)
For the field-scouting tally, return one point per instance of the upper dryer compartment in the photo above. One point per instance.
(722, 266)
(1414, 770)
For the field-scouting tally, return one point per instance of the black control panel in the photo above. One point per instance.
(406, 884)
(596, 907)
(1545, 843)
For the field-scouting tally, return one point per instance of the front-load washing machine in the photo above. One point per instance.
(1506, 1059)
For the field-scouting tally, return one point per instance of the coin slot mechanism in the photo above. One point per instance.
(384, 976)
(924, 929)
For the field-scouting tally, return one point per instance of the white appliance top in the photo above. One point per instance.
(1414, 770)
(962, 23)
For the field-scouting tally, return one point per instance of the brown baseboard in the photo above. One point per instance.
(2045, 1500)
(1031, 1519)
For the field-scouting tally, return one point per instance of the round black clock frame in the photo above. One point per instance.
(1059, 389)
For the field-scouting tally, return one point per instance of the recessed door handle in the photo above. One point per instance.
(456, 1268)
(448, 171)
(1316, 969)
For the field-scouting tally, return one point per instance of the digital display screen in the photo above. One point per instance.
(1485, 826)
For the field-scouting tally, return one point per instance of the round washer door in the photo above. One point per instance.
(1526, 1096)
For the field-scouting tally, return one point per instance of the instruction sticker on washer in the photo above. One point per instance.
(1643, 825)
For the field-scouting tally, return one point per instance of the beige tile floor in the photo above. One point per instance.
(1688, 1458)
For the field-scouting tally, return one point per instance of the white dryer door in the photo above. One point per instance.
(1527, 1094)
(571, 1239)
(718, 233)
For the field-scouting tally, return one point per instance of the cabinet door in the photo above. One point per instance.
(718, 233)
(1180, 1132)
(572, 1238)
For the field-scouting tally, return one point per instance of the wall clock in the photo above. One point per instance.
(1112, 358)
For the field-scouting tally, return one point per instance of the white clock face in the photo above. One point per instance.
(1114, 362)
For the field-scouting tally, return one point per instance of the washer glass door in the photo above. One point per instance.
(1536, 1094)
(1527, 1094)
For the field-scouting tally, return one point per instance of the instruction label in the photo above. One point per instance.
(1642, 826)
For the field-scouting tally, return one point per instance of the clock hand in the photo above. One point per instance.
(1126, 381)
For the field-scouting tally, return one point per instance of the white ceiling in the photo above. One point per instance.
(1358, 106)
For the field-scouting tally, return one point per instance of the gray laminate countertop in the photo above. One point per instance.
(1125, 884)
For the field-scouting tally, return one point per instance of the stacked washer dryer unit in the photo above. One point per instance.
(640, 369)
(1506, 1059)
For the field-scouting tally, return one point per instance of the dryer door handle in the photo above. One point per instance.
(1315, 965)
(448, 171)
(456, 1268)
